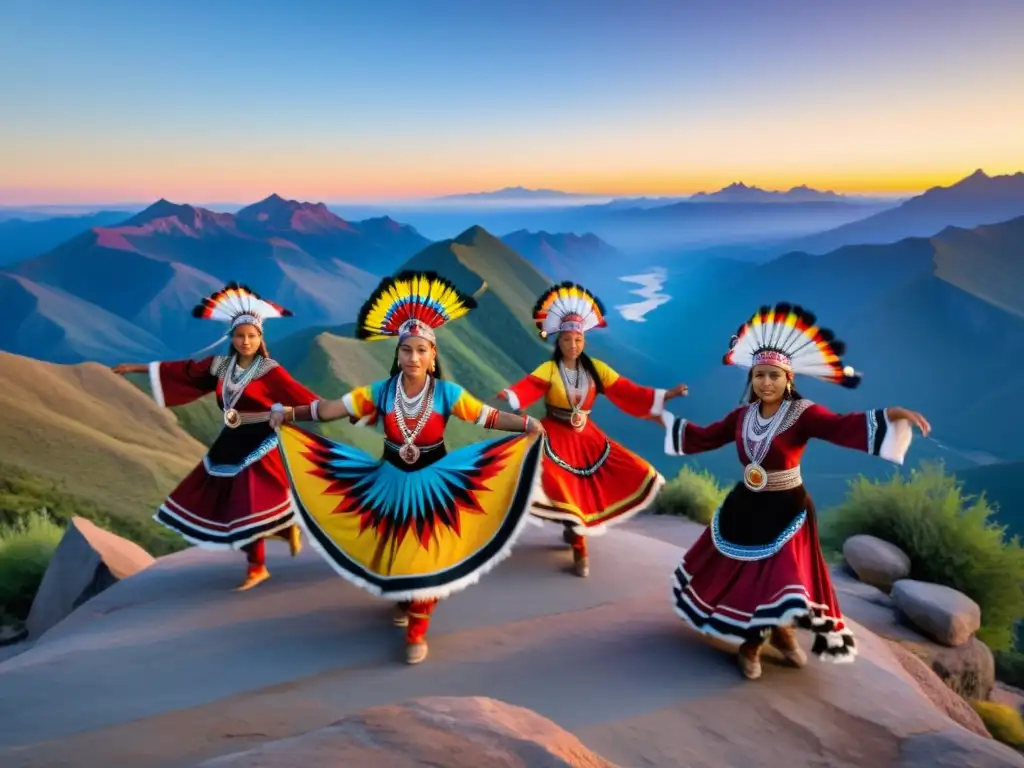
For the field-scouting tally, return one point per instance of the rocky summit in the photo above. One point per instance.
(531, 667)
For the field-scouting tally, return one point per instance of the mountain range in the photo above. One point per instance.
(114, 291)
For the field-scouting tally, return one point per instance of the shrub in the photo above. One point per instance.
(25, 551)
(1002, 721)
(1010, 668)
(948, 537)
(695, 495)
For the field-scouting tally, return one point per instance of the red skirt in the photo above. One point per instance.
(591, 481)
(230, 512)
(739, 592)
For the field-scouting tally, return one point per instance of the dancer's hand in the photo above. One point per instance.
(679, 391)
(896, 413)
(276, 416)
(122, 368)
(534, 426)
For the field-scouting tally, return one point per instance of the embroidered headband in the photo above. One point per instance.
(416, 328)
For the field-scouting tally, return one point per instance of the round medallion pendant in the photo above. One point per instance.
(231, 418)
(578, 420)
(754, 477)
(409, 453)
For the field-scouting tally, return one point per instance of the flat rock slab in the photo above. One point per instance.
(171, 667)
(468, 732)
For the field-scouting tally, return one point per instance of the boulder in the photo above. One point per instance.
(455, 732)
(876, 561)
(968, 669)
(939, 692)
(87, 561)
(943, 614)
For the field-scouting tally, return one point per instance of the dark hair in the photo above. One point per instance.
(586, 362)
(752, 398)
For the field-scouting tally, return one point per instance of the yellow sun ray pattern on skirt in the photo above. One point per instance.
(412, 534)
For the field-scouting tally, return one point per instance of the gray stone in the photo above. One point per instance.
(87, 561)
(943, 614)
(876, 561)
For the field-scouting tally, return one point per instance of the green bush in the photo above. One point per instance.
(695, 495)
(1002, 721)
(1010, 668)
(22, 495)
(25, 551)
(948, 537)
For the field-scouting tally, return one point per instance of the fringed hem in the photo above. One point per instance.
(601, 528)
(217, 544)
(833, 641)
(433, 593)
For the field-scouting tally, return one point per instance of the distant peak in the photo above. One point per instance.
(471, 235)
(163, 209)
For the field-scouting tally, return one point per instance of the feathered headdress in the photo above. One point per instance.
(788, 337)
(411, 304)
(568, 307)
(238, 305)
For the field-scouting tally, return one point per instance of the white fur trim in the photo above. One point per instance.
(436, 592)
(896, 442)
(155, 385)
(669, 420)
(659, 402)
(513, 399)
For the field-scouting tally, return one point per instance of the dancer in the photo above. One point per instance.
(238, 495)
(589, 481)
(758, 568)
(419, 523)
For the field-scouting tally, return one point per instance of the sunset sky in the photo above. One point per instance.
(331, 100)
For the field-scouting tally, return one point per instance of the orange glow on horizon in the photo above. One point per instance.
(326, 188)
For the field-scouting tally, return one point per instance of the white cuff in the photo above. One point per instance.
(513, 399)
(673, 427)
(314, 410)
(485, 413)
(659, 402)
(896, 441)
(154, 384)
(349, 406)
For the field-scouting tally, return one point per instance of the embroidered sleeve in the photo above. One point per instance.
(634, 399)
(867, 431)
(462, 405)
(182, 381)
(529, 389)
(361, 403)
(684, 438)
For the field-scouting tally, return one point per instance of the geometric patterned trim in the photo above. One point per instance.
(756, 551)
(230, 470)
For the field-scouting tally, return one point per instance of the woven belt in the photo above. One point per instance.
(234, 419)
(564, 414)
(784, 479)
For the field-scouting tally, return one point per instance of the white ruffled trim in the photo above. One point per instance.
(600, 529)
(447, 590)
(669, 420)
(659, 402)
(219, 546)
(896, 443)
(155, 385)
